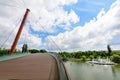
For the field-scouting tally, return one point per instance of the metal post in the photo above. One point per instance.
(19, 32)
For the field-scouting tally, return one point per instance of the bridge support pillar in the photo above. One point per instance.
(19, 32)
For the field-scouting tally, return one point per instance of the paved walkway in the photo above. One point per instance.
(31, 67)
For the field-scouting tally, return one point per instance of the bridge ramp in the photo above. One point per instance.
(31, 67)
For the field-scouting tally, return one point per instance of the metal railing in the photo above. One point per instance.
(63, 74)
(8, 57)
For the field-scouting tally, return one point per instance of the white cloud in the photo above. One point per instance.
(33, 40)
(10, 16)
(50, 14)
(95, 34)
(46, 13)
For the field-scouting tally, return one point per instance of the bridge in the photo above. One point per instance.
(33, 67)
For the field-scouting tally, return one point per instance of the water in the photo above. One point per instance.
(85, 71)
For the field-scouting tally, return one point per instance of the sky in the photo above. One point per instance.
(61, 25)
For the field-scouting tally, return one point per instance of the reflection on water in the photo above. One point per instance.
(85, 71)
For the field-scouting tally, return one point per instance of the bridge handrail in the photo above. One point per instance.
(62, 70)
(9, 57)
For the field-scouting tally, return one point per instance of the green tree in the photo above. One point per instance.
(34, 51)
(116, 58)
(109, 50)
(84, 58)
(43, 51)
(91, 57)
(4, 52)
(77, 55)
(24, 48)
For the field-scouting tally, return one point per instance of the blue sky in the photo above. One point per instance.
(88, 9)
(85, 9)
(69, 24)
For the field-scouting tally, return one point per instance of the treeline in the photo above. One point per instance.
(24, 50)
(89, 55)
(6, 52)
(37, 51)
(32, 51)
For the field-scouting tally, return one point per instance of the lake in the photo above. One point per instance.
(86, 71)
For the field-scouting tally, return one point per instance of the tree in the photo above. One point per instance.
(43, 51)
(84, 58)
(109, 50)
(116, 58)
(4, 52)
(33, 51)
(91, 57)
(24, 48)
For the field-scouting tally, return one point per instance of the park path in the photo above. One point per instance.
(31, 67)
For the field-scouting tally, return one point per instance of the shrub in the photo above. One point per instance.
(116, 58)
(43, 51)
(83, 58)
(34, 51)
(4, 52)
(91, 57)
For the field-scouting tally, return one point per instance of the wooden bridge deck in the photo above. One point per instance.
(31, 67)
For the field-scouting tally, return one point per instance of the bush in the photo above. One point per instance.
(116, 58)
(83, 58)
(4, 52)
(34, 51)
(91, 57)
(43, 51)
